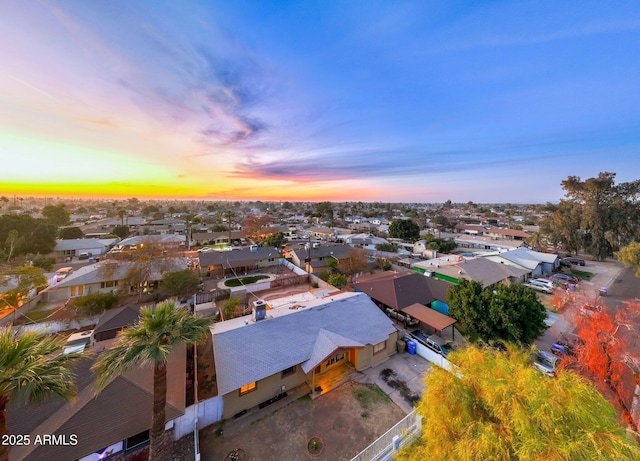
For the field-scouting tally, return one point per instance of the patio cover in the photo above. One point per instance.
(428, 316)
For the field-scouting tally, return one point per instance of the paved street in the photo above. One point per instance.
(611, 274)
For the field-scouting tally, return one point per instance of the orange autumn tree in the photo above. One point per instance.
(605, 356)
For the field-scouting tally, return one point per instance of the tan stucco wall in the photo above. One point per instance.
(271, 386)
(365, 358)
(267, 388)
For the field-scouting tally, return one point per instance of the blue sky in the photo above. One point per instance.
(387, 101)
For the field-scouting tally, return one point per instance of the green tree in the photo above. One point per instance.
(512, 313)
(28, 278)
(93, 304)
(121, 231)
(498, 407)
(338, 280)
(31, 369)
(13, 243)
(324, 210)
(69, 233)
(150, 342)
(274, 240)
(181, 283)
(404, 229)
(388, 247)
(39, 235)
(630, 256)
(230, 308)
(44, 262)
(56, 215)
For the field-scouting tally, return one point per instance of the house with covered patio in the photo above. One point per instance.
(261, 357)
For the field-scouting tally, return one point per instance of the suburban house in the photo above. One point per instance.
(366, 241)
(497, 233)
(217, 238)
(536, 262)
(219, 263)
(162, 241)
(398, 290)
(132, 222)
(72, 248)
(470, 229)
(117, 420)
(165, 226)
(318, 255)
(321, 233)
(108, 275)
(482, 270)
(261, 357)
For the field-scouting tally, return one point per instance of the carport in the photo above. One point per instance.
(431, 318)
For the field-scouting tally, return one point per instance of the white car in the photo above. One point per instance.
(545, 282)
(539, 287)
(205, 250)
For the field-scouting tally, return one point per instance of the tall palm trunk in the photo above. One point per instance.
(157, 449)
(4, 449)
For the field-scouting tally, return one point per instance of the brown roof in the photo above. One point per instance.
(117, 318)
(121, 410)
(428, 316)
(398, 290)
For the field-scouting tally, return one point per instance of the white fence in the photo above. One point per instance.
(403, 433)
(433, 357)
(208, 412)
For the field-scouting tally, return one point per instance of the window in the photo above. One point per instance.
(335, 359)
(248, 388)
(109, 284)
(379, 347)
(136, 440)
(77, 290)
(288, 371)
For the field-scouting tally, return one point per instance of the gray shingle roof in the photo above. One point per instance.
(256, 350)
(245, 255)
(326, 343)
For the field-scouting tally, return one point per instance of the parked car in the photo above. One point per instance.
(85, 255)
(546, 363)
(566, 344)
(205, 250)
(565, 278)
(433, 342)
(572, 262)
(544, 282)
(539, 287)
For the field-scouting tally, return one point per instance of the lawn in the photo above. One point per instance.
(244, 280)
(582, 274)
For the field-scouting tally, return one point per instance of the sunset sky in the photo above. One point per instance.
(421, 101)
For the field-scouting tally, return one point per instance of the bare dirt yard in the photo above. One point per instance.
(345, 420)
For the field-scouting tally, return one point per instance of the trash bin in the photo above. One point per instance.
(411, 347)
(401, 346)
(572, 287)
(603, 291)
(91, 260)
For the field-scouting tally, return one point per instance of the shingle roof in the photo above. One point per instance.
(326, 343)
(399, 290)
(525, 257)
(116, 318)
(244, 256)
(256, 350)
(83, 244)
(483, 270)
(154, 239)
(121, 410)
(110, 270)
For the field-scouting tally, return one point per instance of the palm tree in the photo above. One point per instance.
(30, 369)
(5, 200)
(150, 342)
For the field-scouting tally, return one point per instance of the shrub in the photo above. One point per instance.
(93, 304)
(44, 262)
